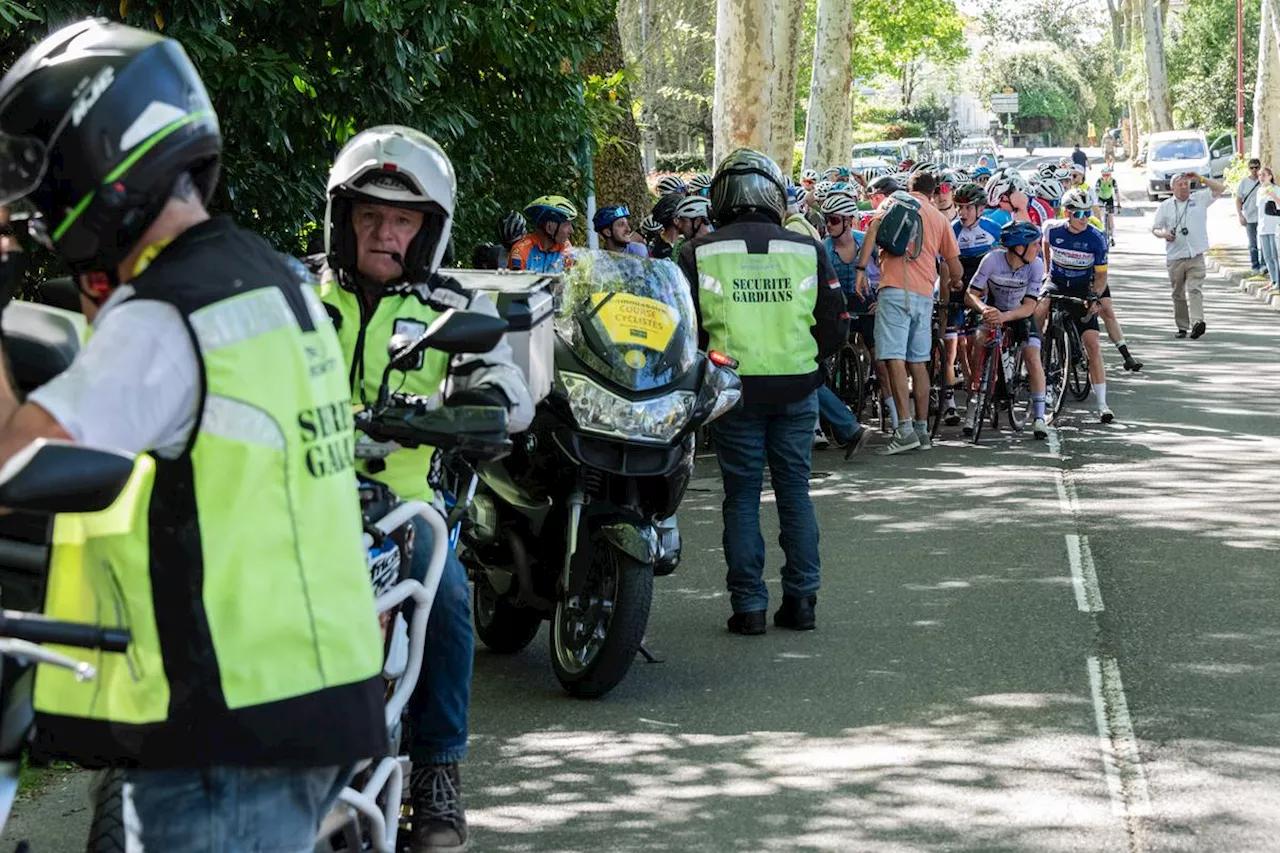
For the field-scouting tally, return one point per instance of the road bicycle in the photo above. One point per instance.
(1002, 383)
(1066, 361)
(938, 363)
(854, 379)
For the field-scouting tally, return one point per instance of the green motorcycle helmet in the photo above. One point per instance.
(747, 181)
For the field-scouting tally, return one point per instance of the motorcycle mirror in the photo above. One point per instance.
(51, 476)
(453, 332)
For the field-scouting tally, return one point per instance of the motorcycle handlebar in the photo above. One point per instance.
(37, 629)
(411, 421)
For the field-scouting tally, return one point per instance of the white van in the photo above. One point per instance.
(1175, 152)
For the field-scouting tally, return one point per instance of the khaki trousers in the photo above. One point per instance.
(1187, 277)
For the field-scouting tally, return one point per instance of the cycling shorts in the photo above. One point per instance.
(1083, 324)
(1108, 204)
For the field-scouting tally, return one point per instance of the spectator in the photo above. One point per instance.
(1081, 159)
(904, 308)
(1268, 208)
(1248, 208)
(1182, 222)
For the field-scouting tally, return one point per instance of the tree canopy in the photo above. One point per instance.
(1202, 62)
(1047, 83)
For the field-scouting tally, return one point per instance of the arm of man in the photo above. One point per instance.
(831, 326)
(1217, 188)
(135, 386)
(1160, 227)
(864, 256)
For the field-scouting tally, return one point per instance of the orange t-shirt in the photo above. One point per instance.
(939, 241)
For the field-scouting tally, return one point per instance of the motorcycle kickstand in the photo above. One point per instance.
(649, 656)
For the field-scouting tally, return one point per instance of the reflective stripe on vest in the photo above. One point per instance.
(758, 308)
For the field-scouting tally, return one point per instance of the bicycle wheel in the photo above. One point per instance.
(1054, 355)
(986, 386)
(851, 373)
(1078, 366)
(1017, 396)
(937, 379)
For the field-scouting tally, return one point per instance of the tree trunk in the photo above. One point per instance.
(1266, 94)
(619, 171)
(1157, 76)
(788, 16)
(829, 126)
(744, 64)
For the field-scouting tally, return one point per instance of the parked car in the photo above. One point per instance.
(1175, 152)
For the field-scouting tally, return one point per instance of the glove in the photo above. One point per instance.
(484, 395)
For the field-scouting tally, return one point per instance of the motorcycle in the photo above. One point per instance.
(574, 525)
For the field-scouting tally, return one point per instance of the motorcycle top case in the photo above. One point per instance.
(525, 301)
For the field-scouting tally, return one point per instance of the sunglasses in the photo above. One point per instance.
(1081, 214)
(835, 220)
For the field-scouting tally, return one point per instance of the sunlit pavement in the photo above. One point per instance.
(970, 686)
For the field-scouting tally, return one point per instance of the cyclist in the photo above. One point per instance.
(693, 219)
(1105, 191)
(1077, 262)
(613, 224)
(664, 213)
(252, 681)
(1004, 292)
(795, 220)
(1046, 193)
(877, 191)
(809, 179)
(700, 184)
(547, 248)
(391, 198)
(976, 235)
(649, 228)
(1008, 195)
(669, 184)
(838, 174)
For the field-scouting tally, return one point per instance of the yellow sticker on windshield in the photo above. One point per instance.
(635, 320)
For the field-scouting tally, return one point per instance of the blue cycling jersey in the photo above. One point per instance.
(847, 274)
(998, 216)
(1075, 257)
(977, 239)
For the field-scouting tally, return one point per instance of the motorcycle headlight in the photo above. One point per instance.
(599, 410)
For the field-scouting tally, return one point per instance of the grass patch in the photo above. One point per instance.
(32, 780)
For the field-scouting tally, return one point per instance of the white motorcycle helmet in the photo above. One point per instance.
(398, 166)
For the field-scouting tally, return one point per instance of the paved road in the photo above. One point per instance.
(970, 687)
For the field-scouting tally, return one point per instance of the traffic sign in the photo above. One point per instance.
(1005, 102)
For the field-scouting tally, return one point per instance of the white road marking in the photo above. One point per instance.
(1121, 758)
(1084, 576)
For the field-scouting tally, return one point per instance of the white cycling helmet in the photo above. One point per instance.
(822, 190)
(397, 166)
(1049, 189)
(671, 184)
(810, 175)
(1076, 200)
(694, 207)
(840, 204)
(1003, 183)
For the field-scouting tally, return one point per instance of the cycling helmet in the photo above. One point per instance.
(511, 228)
(822, 190)
(550, 208)
(837, 174)
(694, 207)
(960, 176)
(1077, 169)
(700, 184)
(1047, 170)
(1003, 184)
(1076, 200)
(397, 166)
(649, 227)
(981, 172)
(1018, 234)
(793, 196)
(664, 212)
(885, 184)
(100, 121)
(1049, 189)
(809, 175)
(1107, 171)
(607, 215)
(872, 172)
(748, 182)
(907, 165)
(840, 204)
(970, 193)
(671, 184)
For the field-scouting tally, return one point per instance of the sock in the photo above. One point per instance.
(1101, 391)
(921, 427)
(893, 412)
(1122, 345)
(1037, 405)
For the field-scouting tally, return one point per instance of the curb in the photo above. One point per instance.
(1255, 287)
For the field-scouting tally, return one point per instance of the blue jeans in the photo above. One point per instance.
(234, 809)
(744, 439)
(439, 705)
(1255, 255)
(837, 414)
(1271, 254)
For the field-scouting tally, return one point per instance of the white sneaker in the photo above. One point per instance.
(1040, 429)
(1104, 415)
(820, 441)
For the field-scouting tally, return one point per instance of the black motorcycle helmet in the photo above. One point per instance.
(747, 181)
(97, 123)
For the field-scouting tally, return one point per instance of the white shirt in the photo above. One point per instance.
(1266, 224)
(1248, 192)
(134, 386)
(1192, 214)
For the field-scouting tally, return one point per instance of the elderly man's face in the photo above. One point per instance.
(1181, 188)
(383, 232)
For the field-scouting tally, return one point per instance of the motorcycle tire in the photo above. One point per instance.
(628, 583)
(500, 625)
(109, 829)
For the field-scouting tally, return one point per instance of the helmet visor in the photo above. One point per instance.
(23, 160)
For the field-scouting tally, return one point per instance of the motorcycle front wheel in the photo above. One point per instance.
(596, 635)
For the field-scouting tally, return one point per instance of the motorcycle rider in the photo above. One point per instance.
(390, 209)
(757, 282)
(251, 685)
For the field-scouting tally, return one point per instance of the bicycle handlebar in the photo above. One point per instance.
(38, 629)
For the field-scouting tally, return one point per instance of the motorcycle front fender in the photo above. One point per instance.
(638, 541)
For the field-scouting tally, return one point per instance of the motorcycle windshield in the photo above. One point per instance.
(630, 319)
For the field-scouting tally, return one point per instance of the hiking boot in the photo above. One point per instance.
(747, 624)
(439, 821)
(796, 613)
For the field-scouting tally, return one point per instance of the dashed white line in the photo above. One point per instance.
(1126, 779)
(1084, 576)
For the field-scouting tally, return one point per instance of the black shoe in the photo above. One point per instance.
(439, 821)
(796, 613)
(1197, 330)
(1131, 363)
(855, 444)
(747, 624)
(1182, 333)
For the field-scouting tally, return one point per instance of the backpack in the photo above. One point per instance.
(901, 231)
